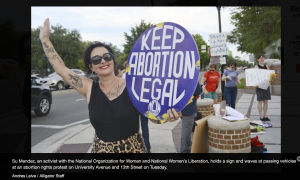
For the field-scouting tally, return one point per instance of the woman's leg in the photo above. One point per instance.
(215, 97)
(186, 133)
(227, 94)
(215, 101)
(233, 97)
(260, 108)
(265, 108)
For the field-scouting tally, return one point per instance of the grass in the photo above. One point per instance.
(241, 85)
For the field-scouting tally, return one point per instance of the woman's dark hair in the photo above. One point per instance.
(260, 55)
(118, 66)
(213, 66)
(87, 55)
(232, 63)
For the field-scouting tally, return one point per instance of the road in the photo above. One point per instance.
(68, 108)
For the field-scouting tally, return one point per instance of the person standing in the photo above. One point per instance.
(262, 95)
(231, 77)
(119, 70)
(188, 118)
(111, 111)
(212, 77)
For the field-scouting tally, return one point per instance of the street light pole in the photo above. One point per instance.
(222, 66)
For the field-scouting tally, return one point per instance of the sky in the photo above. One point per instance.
(108, 24)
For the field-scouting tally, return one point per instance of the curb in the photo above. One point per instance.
(54, 142)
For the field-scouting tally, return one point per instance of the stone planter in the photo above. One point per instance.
(205, 107)
(228, 137)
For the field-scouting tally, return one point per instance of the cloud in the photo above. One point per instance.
(109, 23)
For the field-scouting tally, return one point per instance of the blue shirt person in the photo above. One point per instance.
(231, 78)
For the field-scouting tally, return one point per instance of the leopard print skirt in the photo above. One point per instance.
(133, 144)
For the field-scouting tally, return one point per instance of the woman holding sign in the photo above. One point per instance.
(262, 95)
(212, 77)
(111, 112)
(231, 77)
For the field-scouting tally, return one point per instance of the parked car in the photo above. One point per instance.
(36, 77)
(54, 81)
(245, 67)
(241, 67)
(41, 98)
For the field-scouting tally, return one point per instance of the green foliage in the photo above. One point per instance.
(238, 62)
(241, 85)
(136, 32)
(255, 28)
(117, 54)
(67, 44)
(204, 59)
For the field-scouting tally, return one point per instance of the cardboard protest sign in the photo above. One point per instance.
(260, 77)
(162, 70)
(218, 44)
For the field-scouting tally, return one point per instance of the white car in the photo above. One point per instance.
(54, 81)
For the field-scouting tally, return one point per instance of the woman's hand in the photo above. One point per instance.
(205, 92)
(218, 90)
(228, 77)
(173, 115)
(204, 89)
(44, 31)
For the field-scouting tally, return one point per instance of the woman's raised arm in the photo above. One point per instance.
(79, 83)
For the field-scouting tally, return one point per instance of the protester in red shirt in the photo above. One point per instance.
(212, 77)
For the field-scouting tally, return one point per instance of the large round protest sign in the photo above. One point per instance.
(162, 70)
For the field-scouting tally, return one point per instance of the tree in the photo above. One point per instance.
(255, 28)
(67, 43)
(118, 54)
(136, 32)
(273, 50)
(204, 59)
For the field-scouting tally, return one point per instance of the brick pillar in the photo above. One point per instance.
(277, 68)
(228, 137)
(219, 97)
(205, 107)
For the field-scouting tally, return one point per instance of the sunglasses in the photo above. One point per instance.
(97, 59)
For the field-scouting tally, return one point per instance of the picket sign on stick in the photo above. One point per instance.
(162, 70)
(218, 44)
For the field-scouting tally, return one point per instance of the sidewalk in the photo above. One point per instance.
(165, 138)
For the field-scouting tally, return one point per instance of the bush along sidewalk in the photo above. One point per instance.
(241, 85)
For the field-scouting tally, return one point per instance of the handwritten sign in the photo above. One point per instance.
(162, 70)
(222, 60)
(260, 77)
(218, 44)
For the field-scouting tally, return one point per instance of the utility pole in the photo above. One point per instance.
(222, 66)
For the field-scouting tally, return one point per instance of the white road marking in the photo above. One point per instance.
(60, 127)
(80, 99)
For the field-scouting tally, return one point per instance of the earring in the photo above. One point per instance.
(94, 74)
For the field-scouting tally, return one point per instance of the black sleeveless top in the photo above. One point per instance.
(262, 67)
(113, 120)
